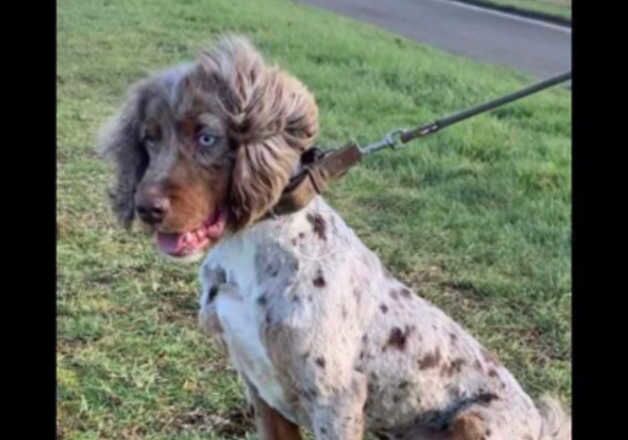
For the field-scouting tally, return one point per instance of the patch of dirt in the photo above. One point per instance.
(181, 308)
(236, 423)
(69, 346)
(134, 432)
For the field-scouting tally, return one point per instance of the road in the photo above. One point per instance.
(537, 48)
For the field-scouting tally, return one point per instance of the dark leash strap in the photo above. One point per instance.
(319, 168)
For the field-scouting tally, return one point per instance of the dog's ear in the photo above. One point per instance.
(272, 118)
(119, 141)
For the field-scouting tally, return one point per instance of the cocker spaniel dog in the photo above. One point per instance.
(322, 335)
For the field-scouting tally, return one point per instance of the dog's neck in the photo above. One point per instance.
(288, 228)
(285, 224)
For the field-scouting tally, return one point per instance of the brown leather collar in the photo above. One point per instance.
(318, 169)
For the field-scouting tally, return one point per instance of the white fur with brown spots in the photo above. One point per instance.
(322, 333)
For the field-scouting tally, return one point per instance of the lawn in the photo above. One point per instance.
(476, 218)
(559, 8)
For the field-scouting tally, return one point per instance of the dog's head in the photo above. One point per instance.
(206, 148)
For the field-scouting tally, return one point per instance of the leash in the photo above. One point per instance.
(319, 168)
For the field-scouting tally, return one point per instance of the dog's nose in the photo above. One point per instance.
(152, 206)
(153, 213)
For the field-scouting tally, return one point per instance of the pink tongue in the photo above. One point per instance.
(170, 243)
(181, 244)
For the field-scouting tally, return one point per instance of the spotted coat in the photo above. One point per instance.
(331, 340)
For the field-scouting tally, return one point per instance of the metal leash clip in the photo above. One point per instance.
(391, 140)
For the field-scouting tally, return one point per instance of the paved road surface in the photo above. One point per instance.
(530, 46)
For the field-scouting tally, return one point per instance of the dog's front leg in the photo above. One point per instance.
(341, 415)
(271, 425)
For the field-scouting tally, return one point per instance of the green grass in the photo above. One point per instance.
(560, 8)
(476, 218)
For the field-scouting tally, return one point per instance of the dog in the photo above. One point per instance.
(322, 335)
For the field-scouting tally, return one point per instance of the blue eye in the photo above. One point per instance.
(206, 140)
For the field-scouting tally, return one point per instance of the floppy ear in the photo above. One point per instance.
(119, 141)
(272, 119)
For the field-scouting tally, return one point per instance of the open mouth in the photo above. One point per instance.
(185, 244)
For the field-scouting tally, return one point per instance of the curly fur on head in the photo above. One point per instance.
(266, 117)
(272, 119)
